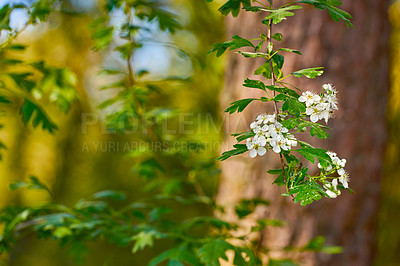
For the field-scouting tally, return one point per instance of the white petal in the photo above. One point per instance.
(314, 118)
(335, 183)
(253, 125)
(341, 171)
(253, 153)
(277, 149)
(261, 151)
(302, 99)
(309, 111)
(316, 98)
(331, 194)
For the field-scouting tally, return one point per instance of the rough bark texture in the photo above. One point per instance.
(356, 62)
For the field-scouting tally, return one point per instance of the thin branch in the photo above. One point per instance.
(273, 78)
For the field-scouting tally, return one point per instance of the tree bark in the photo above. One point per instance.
(356, 62)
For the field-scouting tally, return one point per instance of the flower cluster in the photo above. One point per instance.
(269, 134)
(338, 166)
(320, 106)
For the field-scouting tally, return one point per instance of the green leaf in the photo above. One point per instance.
(239, 105)
(317, 245)
(277, 36)
(307, 192)
(257, 84)
(166, 20)
(315, 129)
(277, 15)
(239, 149)
(284, 90)
(290, 50)
(176, 254)
(213, 250)
(309, 72)
(33, 183)
(144, 239)
(265, 69)
(41, 10)
(62, 232)
(294, 107)
(291, 122)
(235, 43)
(233, 6)
(331, 5)
(280, 180)
(30, 111)
(102, 34)
(320, 154)
(5, 13)
(148, 168)
(243, 135)
(114, 195)
(253, 55)
(263, 223)
(247, 206)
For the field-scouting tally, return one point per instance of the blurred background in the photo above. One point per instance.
(81, 158)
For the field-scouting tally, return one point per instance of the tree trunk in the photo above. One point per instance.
(356, 62)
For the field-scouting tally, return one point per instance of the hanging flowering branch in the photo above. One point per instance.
(294, 113)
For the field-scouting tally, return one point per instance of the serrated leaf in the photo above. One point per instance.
(277, 15)
(239, 149)
(247, 206)
(235, 43)
(294, 107)
(331, 5)
(176, 254)
(307, 192)
(239, 105)
(144, 239)
(244, 135)
(31, 112)
(257, 84)
(320, 154)
(213, 250)
(233, 6)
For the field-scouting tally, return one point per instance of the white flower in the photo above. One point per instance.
(344, 179)
(320, 107)
(337, 164)
(309, 98)
(341, 171)
(313, 112)
(265, 119)
(278, 143)
(269, 134)
(331, 190)
(260, 140)
(257, 149)
(254, 125)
